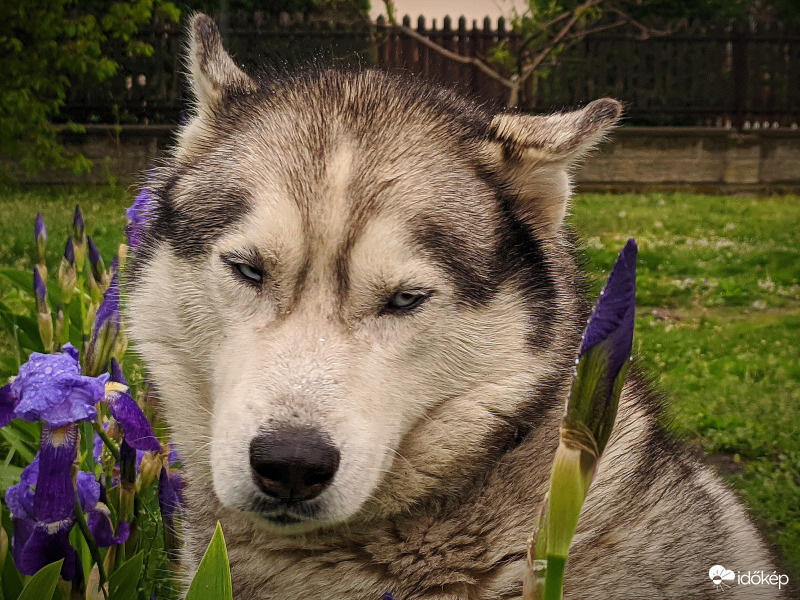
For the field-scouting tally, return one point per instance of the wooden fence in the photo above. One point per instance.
(702, 74)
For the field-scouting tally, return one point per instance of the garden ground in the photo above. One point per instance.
(718, 319)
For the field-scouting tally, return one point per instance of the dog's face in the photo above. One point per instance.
(347, 290)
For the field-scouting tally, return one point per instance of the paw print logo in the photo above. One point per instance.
(719, 575)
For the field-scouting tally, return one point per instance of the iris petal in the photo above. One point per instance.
(46, 544)
(50, 387)
(168, 499)
(138, 433)
(138, 215)
(613, 318)
(19, 497)
(88, 491)
(54, 499)
(99, 521)
(8, 403)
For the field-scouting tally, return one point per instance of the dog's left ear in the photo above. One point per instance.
(213, 72)
(533, 156)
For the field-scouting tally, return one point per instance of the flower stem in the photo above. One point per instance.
(98, 429)
(93, 549)
(555, 577)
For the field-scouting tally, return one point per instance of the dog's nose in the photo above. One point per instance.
(294, 464)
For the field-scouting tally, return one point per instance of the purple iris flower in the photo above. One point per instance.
(388, 596)
(50, 387)
(38, 541)
(138, 432)
(42, 506)
(137, 215)
(611, 323)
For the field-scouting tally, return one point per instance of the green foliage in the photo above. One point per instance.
(45, 45)
(718, 324)
(213, 577)
(124, 582)
(546, 28)
(43, 584)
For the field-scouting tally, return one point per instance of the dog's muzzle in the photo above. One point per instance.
(293, 465)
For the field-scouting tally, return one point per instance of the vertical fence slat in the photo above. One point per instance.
(702, 73)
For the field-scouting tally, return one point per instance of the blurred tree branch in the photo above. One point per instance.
(544, 30)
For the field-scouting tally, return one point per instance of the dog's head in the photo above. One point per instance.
(353, 287)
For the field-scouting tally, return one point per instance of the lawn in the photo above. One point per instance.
(718, 322)
(718, 318)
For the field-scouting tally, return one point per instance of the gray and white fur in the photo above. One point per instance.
(358, 302)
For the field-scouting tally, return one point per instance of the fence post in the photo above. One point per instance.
(739, 51)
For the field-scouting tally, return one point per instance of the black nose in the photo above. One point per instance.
(293, 464)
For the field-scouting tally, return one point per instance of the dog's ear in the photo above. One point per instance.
(533, 155)
(213, 72)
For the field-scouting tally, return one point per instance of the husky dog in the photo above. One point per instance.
(358, 302)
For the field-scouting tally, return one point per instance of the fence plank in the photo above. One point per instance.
(702, 73)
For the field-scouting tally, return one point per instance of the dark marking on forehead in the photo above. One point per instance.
(203, 214)
(470, 270)
(513, 255)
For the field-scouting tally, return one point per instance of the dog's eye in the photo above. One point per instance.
(402, 301)
(248, 272)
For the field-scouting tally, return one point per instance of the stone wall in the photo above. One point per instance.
(635, 158)
(704, 159)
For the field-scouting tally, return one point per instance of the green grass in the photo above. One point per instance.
(719, 325)
(103, 210)
(718, 320)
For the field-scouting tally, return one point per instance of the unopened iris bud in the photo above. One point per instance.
(95, 292)
(59, 334)
(586, 427)
(104, 331)
(67, 273)
(149, 470)
(40, 291)
(40, 235)
(43, 315)
(97, 264)
(79, 238)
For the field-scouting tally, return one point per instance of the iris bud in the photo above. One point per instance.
(67, 273)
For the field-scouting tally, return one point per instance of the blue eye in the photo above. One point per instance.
(249, 272)
(405, 300)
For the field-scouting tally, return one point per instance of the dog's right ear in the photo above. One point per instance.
(533, 155)
(213, 72)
